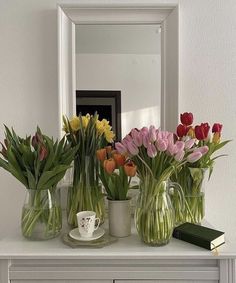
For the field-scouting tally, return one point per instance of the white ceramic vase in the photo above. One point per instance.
(119, 214)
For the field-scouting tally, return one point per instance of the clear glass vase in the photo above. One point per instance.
(41, 217)
(192, 181)
(154, 214)
(86, 191)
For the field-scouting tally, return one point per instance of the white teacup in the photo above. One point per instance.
(87, 223)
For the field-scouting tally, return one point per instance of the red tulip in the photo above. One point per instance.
(43, 153)
(130, 169)
(201, 131)
(182, 130)
(109, 165)
(217, 128)
(101, 154)
(186, 118)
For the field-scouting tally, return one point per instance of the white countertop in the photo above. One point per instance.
(14, 246)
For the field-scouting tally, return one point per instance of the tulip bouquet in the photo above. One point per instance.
(39, 164)
(115, 173)
(89, 134)
(157, 156)
(192, 176)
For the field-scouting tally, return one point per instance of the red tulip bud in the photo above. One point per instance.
(43, 153)
(217, 128)
(201, 132)
(182, 130)
(186, 118)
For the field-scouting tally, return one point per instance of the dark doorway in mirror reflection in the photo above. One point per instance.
(107, 103)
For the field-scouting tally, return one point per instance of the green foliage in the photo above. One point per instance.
(37, 162)
(116, 184)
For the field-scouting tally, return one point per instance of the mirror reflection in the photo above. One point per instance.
(118, 73)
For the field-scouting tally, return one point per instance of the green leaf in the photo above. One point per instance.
(31, 180)
(18, 175)
(4, 164)
(220, 145)
(47, 175)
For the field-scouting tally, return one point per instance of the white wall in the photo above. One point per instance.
(137, 76)
(28, 85)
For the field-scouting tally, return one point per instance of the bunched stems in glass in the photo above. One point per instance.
(41, 214)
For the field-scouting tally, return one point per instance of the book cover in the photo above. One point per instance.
(199, 235)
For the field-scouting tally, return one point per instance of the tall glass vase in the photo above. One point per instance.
(86, 192)
(154, 215)
(192, 181)
(41, 217)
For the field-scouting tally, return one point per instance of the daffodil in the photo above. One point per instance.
(75, 123)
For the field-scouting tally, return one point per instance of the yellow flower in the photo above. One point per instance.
(99, 126)
(85, 121)
(106, 125)
(109, 135)
(75, 123)
(216, 137)
(191, 133)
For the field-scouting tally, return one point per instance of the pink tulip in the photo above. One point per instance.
(132, 148)
(172, 149)
(151, 150)
(145, 139)
(162, 144)
(163, 135)
(180, 145)
(179, 155)
(137, 137)
(203, 149)
(189, 144)
(144, 130)
(120, 148)
(152, 133)
(193, 157)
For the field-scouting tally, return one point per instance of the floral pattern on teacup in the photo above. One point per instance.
(85, 223)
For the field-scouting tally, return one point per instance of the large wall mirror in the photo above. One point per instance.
(121, 61)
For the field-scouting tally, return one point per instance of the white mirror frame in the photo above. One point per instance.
(166, 16)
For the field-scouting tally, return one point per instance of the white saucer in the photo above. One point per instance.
(96, 234)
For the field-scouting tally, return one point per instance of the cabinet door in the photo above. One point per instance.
(62, 281)
(166, 281)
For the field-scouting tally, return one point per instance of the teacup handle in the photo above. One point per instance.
(98, 223)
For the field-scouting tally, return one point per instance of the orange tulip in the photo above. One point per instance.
(119, 159)
(101, 154)
(109, 165)
(109, 150)
(130, 169)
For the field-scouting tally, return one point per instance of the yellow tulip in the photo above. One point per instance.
(191, 133)
(216, 137)
(75, 123)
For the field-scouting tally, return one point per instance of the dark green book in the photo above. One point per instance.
(199, 235)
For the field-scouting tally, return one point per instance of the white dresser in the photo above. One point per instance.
(126, 261)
